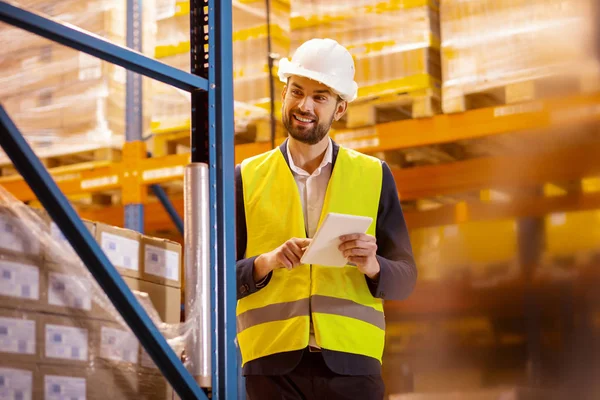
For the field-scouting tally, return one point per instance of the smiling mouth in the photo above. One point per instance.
(302, 119)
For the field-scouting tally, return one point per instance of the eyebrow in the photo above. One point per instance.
(316, 91)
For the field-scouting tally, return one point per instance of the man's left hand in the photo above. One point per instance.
(361, 249)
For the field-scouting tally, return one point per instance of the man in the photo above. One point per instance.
(312, 331)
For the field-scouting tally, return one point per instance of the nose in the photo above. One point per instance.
(306, 104)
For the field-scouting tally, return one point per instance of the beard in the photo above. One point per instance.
(306, 134)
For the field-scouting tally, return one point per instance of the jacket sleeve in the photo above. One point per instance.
(244, 266)
(398, 274)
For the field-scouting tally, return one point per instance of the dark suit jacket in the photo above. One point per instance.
(396, 280)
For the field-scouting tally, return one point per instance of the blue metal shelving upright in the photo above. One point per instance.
(211, 86)
(134, 213)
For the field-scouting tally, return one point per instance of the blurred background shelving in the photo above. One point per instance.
(487, 111)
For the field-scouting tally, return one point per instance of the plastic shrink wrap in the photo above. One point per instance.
(60, 336)
(171, 107)
(395, 43)
(520, 47)
(64, 100)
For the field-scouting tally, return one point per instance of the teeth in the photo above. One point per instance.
(302, 119)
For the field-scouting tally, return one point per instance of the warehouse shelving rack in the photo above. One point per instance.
(413, 183)
(211, 86)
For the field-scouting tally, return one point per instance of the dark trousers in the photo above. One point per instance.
(313, 380)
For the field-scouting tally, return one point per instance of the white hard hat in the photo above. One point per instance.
(325, 61)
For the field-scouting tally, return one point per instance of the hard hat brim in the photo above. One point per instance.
(287, 69)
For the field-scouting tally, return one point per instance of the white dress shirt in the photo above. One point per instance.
(312, 189)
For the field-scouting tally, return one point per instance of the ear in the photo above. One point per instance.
(340, 109)
(283, 92)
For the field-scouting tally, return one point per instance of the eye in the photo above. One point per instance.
(296, 92)
(321, 98)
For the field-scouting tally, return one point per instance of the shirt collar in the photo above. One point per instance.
(327, 159)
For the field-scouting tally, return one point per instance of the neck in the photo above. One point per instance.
(308, 156)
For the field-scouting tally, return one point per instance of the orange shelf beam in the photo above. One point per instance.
(519, 171)
(101, 176)
(473, 124)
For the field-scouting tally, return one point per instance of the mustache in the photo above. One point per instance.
(304, 114)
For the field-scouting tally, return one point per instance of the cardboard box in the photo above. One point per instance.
(165, 299)
(57, 235)
(120, 382)
(161, 261)
(154, 386)
(20, 336)
(18, 380)
(68, 340)
(67, 382)
(17, 235)
(117, 345)
(74, 102)
(75, 296)
(122, 247)
(91, 383)
(22, 284)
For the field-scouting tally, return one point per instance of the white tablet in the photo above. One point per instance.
(323, 249)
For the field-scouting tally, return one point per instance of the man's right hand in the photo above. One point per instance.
(287, 255)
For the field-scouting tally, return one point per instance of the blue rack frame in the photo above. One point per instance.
(134, 213)
(211, 85)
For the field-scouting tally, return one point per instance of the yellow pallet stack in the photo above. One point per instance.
(476, 251)
(395, 45)
(513, 50)
(171, 108)
(62, 98)
(572, 238)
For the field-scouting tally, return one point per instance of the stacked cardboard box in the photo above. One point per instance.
(171, 108)
(395, 43)
(60, 94)
(60, 337)
(497, 43)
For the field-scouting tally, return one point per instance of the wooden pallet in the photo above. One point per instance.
(66, 159)
(456, 100)
(391, 107)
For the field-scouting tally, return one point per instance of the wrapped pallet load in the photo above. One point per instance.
(60, 335)
(171, 107)
(395, 44)
(507, 51)
(64, 100)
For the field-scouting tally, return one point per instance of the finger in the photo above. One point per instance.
(284, 261)
(291, 256)
(358, 236)
(357, 244)
(358, 252)
(352, 236)
(302, 242)
(296, 249)
(358, 260)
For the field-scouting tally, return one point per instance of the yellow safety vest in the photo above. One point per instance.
(345, 315)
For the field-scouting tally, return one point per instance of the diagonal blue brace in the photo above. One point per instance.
(159, 192)
(96, 46)
(59, 208)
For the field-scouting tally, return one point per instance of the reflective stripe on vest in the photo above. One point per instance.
(318, 304)
(276, 319)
